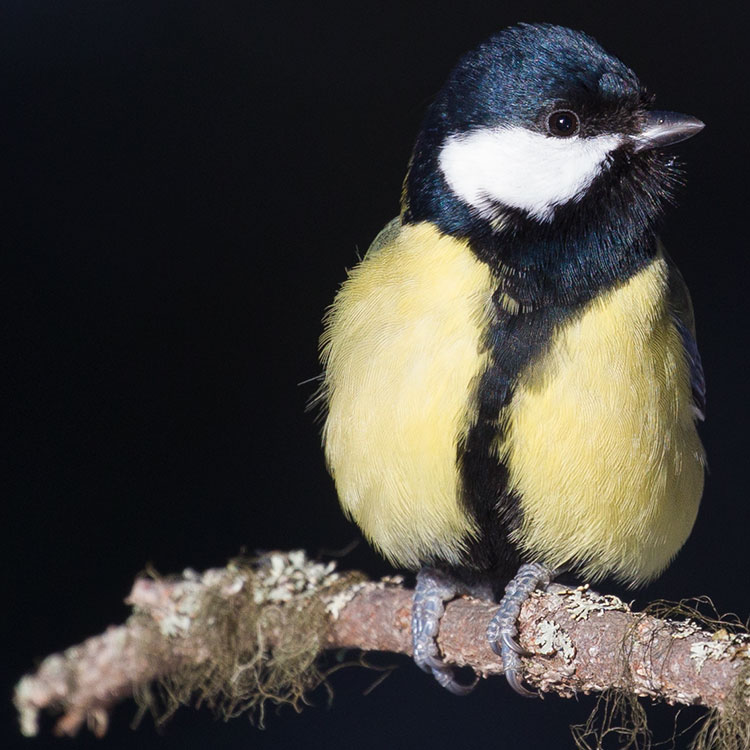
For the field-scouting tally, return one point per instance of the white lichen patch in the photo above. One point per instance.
(582, 603)
(551, 639)
(176, 605)
(174, 625)
(190, 574)
(52, 679)
(723, 645)
(28, 713)
(187, 598)
(338, 601)
(278, 577)
(393, 580)
(685, 629)
(284, 576)
(234, 585)
(700, 652)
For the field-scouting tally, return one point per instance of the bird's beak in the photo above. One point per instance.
(665, 128)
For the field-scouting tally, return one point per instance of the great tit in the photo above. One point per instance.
(511, 376)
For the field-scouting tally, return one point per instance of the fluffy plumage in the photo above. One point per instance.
(403, 352)
(511, 372)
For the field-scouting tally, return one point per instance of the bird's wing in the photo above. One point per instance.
(682, 313)
(385, 236)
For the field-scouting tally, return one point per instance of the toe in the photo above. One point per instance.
(433, 589)
(502, 631)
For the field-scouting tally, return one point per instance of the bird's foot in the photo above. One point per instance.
(502, 631)
(433, 590)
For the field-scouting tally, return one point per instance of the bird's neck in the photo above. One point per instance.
(564, 263)
(588, 245)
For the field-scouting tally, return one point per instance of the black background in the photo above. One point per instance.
(187, 183)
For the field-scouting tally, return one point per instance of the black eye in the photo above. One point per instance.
(563, 124)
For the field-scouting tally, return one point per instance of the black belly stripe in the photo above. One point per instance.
(515, 342)
(551, 274)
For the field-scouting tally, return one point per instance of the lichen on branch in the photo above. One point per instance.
(238, 637)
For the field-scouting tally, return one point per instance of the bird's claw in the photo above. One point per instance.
(513, 676)
(502, 632)
(432, 591)
(445, 678)
(509, 641)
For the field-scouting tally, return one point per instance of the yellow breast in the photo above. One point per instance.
(402, 352)
(600, 439)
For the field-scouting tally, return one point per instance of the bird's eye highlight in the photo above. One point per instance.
(563, 124)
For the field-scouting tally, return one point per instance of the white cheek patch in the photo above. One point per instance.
(522, 169)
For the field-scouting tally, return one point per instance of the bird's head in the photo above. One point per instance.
(540, 127)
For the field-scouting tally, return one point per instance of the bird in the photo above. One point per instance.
(511, 382)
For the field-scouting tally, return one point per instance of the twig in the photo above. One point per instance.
(579, 641)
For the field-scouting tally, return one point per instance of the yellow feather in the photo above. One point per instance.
(600, 439)
(402, 352)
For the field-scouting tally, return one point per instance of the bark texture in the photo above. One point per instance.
(268, 621)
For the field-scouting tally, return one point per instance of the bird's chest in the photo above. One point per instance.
(402, 352)
(599, 438)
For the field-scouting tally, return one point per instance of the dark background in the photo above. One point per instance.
(187, 183)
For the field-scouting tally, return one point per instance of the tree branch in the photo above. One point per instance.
(254, 631)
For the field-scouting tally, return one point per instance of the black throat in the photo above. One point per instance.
(588, 246)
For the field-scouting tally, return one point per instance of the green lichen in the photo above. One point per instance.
(728, 728)
(263, 626)
(619, 718)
